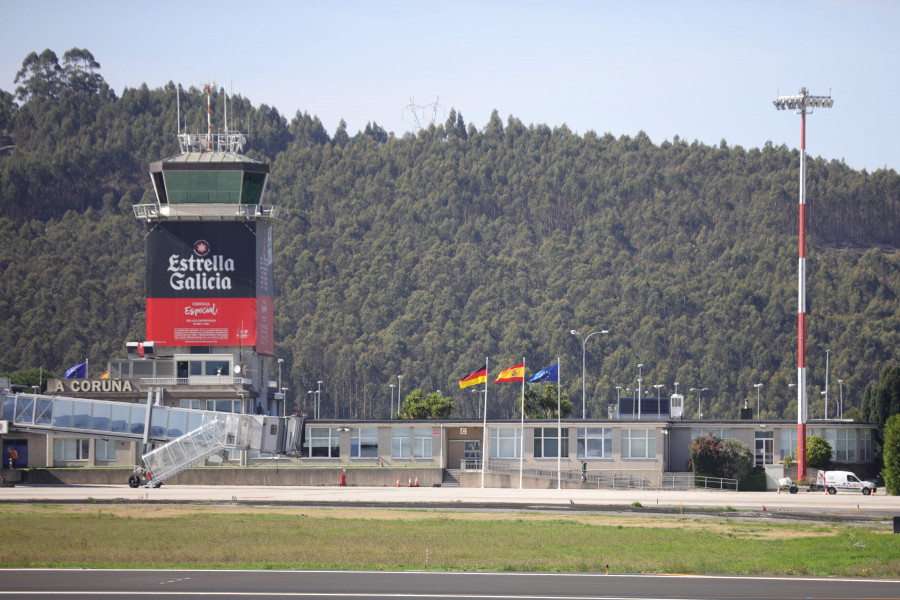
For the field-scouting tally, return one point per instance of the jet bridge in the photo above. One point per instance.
(186, 436)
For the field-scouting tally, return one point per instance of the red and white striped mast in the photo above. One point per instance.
(802, 104)
(208, 121)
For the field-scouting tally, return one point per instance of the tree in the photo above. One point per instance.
(426, 406)
(705, 454)
(40, 76)
(891, 454)
(735, 460)
(818, 452)
(80, 70)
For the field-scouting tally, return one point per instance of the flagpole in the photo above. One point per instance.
(484, 448)
(522, 430)
(87, 369)
(558, 429)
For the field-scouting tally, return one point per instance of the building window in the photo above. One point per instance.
(324, 442)
(363, 442)
(192, 404)
(422, 442)
(865, 445)
(638, 443)
(719, 432)
(845, 450)
(400, 442)
(105, 450)
(232, 406)
(789, 442)
(594, 442)
(70, 449)
(506, 442)
(547, 442)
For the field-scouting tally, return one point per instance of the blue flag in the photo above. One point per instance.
(550, 373)
(77, 372)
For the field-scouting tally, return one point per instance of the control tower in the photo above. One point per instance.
(209, 320)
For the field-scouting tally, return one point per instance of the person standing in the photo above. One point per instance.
(13, 457)
(583, 471)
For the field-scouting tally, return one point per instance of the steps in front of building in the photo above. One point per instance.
(451, 478)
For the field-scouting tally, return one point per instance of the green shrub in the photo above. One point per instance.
(818, 452)
(754, 482)
(891, 455)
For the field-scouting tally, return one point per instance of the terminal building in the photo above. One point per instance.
(209, 347)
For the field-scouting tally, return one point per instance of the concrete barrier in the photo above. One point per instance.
(250, 476)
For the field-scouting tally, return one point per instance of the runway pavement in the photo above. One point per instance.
(850, 504)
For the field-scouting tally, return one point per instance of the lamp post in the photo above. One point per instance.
(841, 405)
(399, 381)
(319, 399)
(314, 411)
(640, 373)
(825, 393)
(757, 386)
(391, 385)
(658, 386)
(583, 354)
(801, 104)
(699, 400)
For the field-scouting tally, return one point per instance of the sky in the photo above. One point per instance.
(704, 71)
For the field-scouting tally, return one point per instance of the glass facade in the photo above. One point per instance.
(506, 442)
(547, 442)
(363, 442)
(638, 443)
(400, 442)
(595, 442)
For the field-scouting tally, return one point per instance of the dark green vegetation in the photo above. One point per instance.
(424, 254)
(235, 537)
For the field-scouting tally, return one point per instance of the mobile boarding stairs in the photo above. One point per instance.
(183, 437)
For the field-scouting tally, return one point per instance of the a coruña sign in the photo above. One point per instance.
(55, 386)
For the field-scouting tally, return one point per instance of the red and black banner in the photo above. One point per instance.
(210, 284)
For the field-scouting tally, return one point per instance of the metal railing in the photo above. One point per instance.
(604, 480)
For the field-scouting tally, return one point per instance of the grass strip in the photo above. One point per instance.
(215, 536)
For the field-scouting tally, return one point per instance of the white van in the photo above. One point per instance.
(832, 481)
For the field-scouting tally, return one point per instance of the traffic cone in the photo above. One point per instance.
(410, 482)
(417, 481)
(398, 482)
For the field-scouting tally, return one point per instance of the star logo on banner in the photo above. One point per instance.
(201, 248)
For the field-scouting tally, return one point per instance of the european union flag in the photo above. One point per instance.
(77, 372)
(550, 373)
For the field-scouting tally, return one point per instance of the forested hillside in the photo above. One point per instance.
(422, 255)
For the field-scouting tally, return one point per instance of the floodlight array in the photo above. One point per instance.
(802, 101)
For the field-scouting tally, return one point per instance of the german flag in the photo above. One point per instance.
(512, 374)
(473, 378)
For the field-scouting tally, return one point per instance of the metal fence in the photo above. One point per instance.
(606, 480)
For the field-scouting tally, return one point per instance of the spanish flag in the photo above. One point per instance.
(105, 375)
(512, 374)
(473, 379)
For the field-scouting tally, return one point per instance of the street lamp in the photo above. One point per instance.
(284, 401)
(658, 386)
(802, 103)
(399, 381)
(841, 410)
(699, 400)
(757, 386)
(391, 385)
(583, 347)
(825, 393)
(314, 411)
(280, 360)
(319, 399)
(640, 370)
